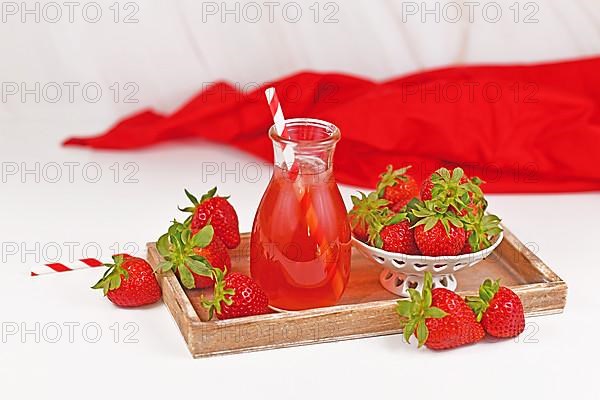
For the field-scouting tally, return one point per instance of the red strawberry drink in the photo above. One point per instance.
(300, 246)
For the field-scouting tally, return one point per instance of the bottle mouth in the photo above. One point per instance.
(307, 132)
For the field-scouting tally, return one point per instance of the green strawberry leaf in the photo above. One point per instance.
(454, 220)
(192, 198)
(185, 236)
(378, 242)
(164, 266)
(115, 282)
(430, 222)
(203, 237)
(445, 225)
(477, 305)
(422, 333)
(457, 174)
(404, 308)
(427, 281)
(409, 329)
(198, 267)
(396, 219)
(434, 312)
(208, 195)
(175, 228)
(99, 284)
(427, 298)
(187, 279)
(162, 245)
(415, 296)
(440, 174)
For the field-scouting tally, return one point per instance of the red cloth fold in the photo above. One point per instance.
(520, 128)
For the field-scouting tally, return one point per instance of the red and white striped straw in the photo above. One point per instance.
(280, 127)
(277, 112)
(84, 263)
(302, 193)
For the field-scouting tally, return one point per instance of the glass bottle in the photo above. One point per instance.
(300, 244)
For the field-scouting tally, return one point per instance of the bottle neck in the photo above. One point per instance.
(308, 147)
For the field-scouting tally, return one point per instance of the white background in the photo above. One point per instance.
(168, 54)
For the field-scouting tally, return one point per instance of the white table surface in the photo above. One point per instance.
(556, 358)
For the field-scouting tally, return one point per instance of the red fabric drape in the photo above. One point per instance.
(529, 128)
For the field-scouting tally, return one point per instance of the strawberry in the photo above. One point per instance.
(426, 189)
(188, 255)
(439, 318)
(365, 212)
(218, 212)
(481, 229)
(444, 180)
(477, 203)
(440, 240)
(439, 232)
(453, 189)
(393, 234)
(398, 238)
(397, 187)
(216, 254)
(468, 249)
(129, 282)
(473, 207)
(462, 196)
(236, 295)
(499, 309)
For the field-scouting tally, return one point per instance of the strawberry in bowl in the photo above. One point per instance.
(397, 187)
(441, 230)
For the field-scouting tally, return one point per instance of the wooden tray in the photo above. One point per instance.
(366, 309)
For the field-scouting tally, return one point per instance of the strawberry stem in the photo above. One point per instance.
(487, 291)
(417, 310)
(177, 247)
(221, 294)
(112, 277)
(390, 178)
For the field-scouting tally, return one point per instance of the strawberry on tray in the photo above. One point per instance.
(218, 212)
(197, 251)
